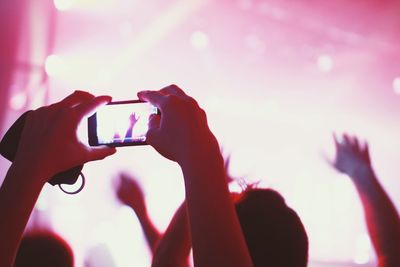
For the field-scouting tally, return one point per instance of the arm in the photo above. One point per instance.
(48, 133)
(174, 247)
(181, 134)
(132, 122)
(382, 219)
(130, 193)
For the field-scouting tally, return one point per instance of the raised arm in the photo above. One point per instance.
(48, 145)
(181, 134)
(130, 193)
(383, 222)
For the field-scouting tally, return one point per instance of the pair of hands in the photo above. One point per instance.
(49, 142)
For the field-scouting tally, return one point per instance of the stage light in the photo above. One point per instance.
(42, 202)
(18, 101)
(63, 5)
(325, 63)
(53, 65)
(396, 85)
(199, 40)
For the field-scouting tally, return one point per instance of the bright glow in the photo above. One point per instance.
(123, 123)
(199, 40)
(255, 43)
(42, 202)
(245, 4)
(325, 63)
(54, 65)
(18, 101)
(396, 85)
(126, 29)
(151, 36)
(363, 248)
(63, 5)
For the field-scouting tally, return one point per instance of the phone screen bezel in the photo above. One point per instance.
(92, 127)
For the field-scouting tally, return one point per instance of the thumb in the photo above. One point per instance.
(327, 159)
(152, 137)
(101, 152)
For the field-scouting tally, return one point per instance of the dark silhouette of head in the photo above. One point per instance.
(274, 232)
(45, 249)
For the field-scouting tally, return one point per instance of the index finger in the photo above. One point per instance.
(336, 140)
(154, 97)
(75, 98)
(173, 90)
(90, 106)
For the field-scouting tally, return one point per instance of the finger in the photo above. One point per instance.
(152, 137)
(154, 97)
(336, 141)
(356, 144)
(366, 152)
(101, 152)
(154, 121)
(173, 90)
(327, 159)
(75, 98)
(90, 106)
(346, 140)
(227, 161)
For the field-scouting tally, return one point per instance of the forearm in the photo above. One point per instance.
(150, 231)
(216, 233)
(174, 247)
(17, 199)
(382, 218)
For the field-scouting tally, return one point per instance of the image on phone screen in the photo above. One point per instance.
(121, 123)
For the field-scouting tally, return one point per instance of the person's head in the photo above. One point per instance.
(274, 232)
(45, 249)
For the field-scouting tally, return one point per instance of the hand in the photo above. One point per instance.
(351, 156)
(49, 142)
(181, 132)
(131, 194)
(133, 119)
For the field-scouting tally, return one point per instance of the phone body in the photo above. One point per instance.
(121, 123)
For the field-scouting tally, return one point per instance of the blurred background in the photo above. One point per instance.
(276, 78)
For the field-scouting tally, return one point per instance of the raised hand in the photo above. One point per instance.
(133, 119)
(181, 134)
(48, 145)
(182, 127)
(383, 221)
(49, 142)
(351, 155)
(130, 193)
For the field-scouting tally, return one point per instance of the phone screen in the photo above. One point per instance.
(121, 123)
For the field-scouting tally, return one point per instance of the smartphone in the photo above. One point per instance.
(122, 123)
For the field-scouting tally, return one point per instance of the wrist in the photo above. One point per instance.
(200, 153)
(203, 165)
(361, 171)
(29, 173)
(23, 179)
(364, 178)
